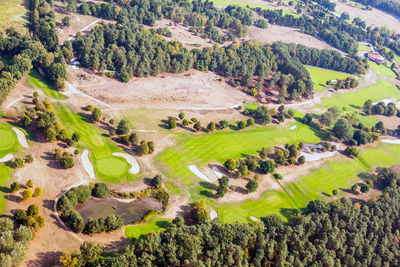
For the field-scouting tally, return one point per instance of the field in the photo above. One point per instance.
(36, 81)
(355, 99)
(107, 167)
(13, 14)
(382, 70)
(320, 76)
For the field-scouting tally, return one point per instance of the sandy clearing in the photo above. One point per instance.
(213, 214)
(74, 90)
(198, 173)
(7, 157)
(254, 218)
(288, 35)
(87, 165)
(135, 168)
(21, 137)
(294, 127)
(217, 172)
(13, 103)
(391, 141)
(317, 155)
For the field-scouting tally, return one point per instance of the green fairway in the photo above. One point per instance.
(355, 99)
(135, 231)
(320, 76)
(13, 14)
(38, 82)
(217, 147)
(107, 167)
(251, 5)
(382, 70)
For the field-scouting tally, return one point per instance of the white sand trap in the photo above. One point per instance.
(254, 218)
(21, 137)
(213, 214)
(87, 165)
(391, 141)
(198, 173)
(217, 172)
(135, 168)
(293, 127)
(7, 157)
(317, 155)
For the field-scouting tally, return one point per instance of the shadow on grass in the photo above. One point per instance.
(315, 128)
(207, 193)
(163, 224)
(207, 185)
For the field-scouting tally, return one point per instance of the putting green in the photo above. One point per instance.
(7, 139)
(112, 167)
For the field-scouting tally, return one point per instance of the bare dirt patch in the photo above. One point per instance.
(189, 90)
(276, 33)
(390, 123)
(375, 17)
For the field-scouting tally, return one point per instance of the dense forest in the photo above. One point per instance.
(339, 233)
(389, 6)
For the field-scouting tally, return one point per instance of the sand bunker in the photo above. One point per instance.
(217, 172)
(391, 141)
(21, 137)
(254, 218)
(135, 168)
(7, 157)
(213, 214)
(294, 127)
(198, 173)
(87, 165)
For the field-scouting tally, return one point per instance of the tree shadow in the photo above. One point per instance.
(163, 224)
(355, 106)
(208, 185)
(349, 191)
(365, 176)
(5, 189)
(315, 128)
(207, 193)
(45, 259)
(48, 204)
(13, 198)
(326, 194)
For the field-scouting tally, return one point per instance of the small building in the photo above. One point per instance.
(376, 57)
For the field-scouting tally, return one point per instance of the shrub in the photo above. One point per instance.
(241, 124)
(364, 188)
(29, 183)
(38, 192)
(301, 160)
(89, 107)
(185, 122)
(32, 210)
(197, 126)
(100, 190)
(278, 176)
(133, 138)
(354, 187)
(76, 137)
(144, 148)
(171, 123)
(67, 161)
(223, 124)
(27, 194)
(77, 151)
(267, 166)
(211, 126)
(28, 158)
(250, 122)
(351, 151)
(15, 186)
(181, 115)
(252, 186)
(230, 164)
(20, 216)
(96, 115)
(151, 146)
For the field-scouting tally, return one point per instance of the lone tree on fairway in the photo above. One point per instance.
(252, 186)
(96, 115)
(230, 164)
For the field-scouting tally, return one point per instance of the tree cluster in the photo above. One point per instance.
(380, 108)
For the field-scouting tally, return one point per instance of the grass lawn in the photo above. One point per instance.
(136, 231)
(206, 148)
(382, 70)
(8, 144)
(364, 48)
(13, 14)
(107, 167)
(37, 81)
(320, 76)
(356, 99)
(251, 5)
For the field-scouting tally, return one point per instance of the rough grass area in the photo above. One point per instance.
(364, 48)
(206, 148)
(356, 99)
(320, 76)
(134, 232)
(318, 184)
(107, 167)
(13, 14)
(38, 82)
(382, 70)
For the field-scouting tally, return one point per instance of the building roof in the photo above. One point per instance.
(375, 56)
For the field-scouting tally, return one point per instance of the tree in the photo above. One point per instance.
(171, 123)
(243, 170)
(50, 134)
(67, 161)
(241, 124)
(90, 253)
(279, 157)
(96, 115)
(156, 181)
(197, 126)
(15, 186)
(29, 183)
(250, 122)
(144, 148)
(364, 188)
(20, 216)
(301, 160)
(76, 137)
(100, 190)
(211, 127)
(28, 158)
(252, 186)
(185, 122)
(230, 164)
(133, 138)
(223, 124)
(223, 186)
(367, 107)
(198, 211)
(267, 166)
(354, 187)
(38, 192)
(113, 222)
(27, 194)
(178, 221)
(33, 210)
(151, 146)
(334, 192)
(278, 176)
(181, 115)
(66, 21)
(67, 260)
(380, 127)
(307, 119)
(351, 151)
(343, 130)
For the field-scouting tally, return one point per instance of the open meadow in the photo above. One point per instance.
(13, 13)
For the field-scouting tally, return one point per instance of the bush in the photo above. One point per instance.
(252, 186)
(211, 126)
(77, 151)
(241, 124)
(181, 115)
(20, 216)
(27, 194)
(38, 192)
(96, 115)
(89, 107)
(33, 210)
(351, 151)
(100, 190)
(197, 126)
(223, 124)
(76, 137)
(171, 123)
(364, 188)
(28, 158)
(185, 122)
(67, 161)
(278, 176)
(15, 186)
(29, 183)
(250, 122)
